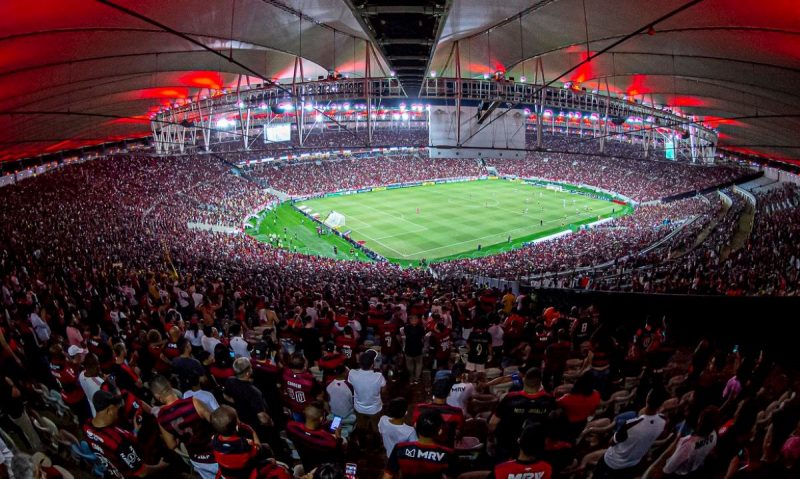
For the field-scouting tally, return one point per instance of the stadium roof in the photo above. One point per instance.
(86, 71)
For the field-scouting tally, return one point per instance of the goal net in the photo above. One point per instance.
(334, 220)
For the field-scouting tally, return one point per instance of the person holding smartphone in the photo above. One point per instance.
(313, 440)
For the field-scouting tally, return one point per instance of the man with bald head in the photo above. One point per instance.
(314, 442)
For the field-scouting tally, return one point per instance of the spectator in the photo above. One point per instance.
(122, 373)
(300, 387)
(185, 421)
(579, 404)
(315, 444)
(13, 404)
(90, 378)
(413, 346)
(479, 348)
(630, 444)
(238, 451)
(392, 426)
(463, 390)
(246, 398)
(533, 404)
(529, 462)
(210, 339)
(115, 446)
(238, 343)
(66, 369)
(423, 458)
(692, 450)
(555, 359)
(452, 416)
(194, 390)
(340, 397)
(368, 387)
(186, 366)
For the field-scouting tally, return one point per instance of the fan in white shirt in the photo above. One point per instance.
(462, 391)
(692, 450)
(392, 428)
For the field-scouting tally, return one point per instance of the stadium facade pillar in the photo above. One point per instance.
(299, 103)
(693, 140)
(244, 118)
(205, 122)
(458, 93)
(367, 89)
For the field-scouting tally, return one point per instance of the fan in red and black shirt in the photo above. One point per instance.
(67, 371)
(100, 348)
(330, 361)
(528, 464)
(238, 450)
(347, 344)
(299, 386)
(185, 421)
(440, 344)
(115, 446)
(424, 458)
(376, 316)
(531, 404)
(389, 333)
(314, 444)
(171, 349)
(452, 417)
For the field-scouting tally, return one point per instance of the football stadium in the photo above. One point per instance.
(399, 239)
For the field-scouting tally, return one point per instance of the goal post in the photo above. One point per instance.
(335, 220)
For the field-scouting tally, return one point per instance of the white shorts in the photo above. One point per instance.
(476, 367)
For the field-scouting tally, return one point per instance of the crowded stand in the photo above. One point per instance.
(133, 346)
(309, 178)
(767, 263)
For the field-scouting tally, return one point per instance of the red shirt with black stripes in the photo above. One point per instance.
(116, 448)
(415, 460)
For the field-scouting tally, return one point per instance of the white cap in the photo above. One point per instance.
(75, 350)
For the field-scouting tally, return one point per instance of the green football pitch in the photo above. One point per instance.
(437, 222)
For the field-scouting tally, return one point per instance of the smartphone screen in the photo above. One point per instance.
(350, 470)
(337, 421)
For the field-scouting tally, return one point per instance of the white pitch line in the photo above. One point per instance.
(505, 233)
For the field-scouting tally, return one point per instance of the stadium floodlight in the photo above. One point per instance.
(318, 118)
(402, 107)
(405, 116)
(392, 73)
(346, 107)
(523, 79)
(433, 74)
(224, 123)
(241, 104)
(308, 107)
(286, 107)
(395, 116)
(263, 106)
(486, 76)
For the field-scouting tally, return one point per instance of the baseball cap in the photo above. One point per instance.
(75, 350)
(102, 400)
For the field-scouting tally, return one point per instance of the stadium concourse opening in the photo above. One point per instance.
(426, 222)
